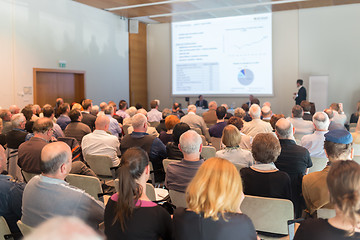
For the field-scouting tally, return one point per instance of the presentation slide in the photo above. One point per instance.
(223, 56)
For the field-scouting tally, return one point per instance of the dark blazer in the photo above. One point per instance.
(89, 120)
(203, 104)
(301, 95)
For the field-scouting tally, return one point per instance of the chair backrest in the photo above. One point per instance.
(318, 164)
(152, 175)
(89, 184)
(216, 143)
(198, 130)
(268, 214)
(203, 139)
(125, 128)
(357, 159)
(150, 192)
(208, 152)
(100, 164)
(28, 176)
(352, 127)
(356, 149)
(4, 229)
(167, 161)
(24, 229)
(12, 159)
(239, 166)
(298, 137)
(325, 213)
(154, 124)
(177, 198)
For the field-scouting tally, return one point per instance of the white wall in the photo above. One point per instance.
(39, 33)
(318, 41)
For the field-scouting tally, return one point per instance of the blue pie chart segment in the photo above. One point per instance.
(245, 76)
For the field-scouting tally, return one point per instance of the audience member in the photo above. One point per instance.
(239, 112)
(95, 110)
(37, 110)
(210, 116)
(172, 148)
(343, 182)
(138, 106)
(176, 110)
(264, 179)
(231, 138)
(302, 127)
(338, 146)
(48, 195)
(333, 125)
(306, 106)
(152, 145)
(228, 115)
(48, 112)
(355, 116)
(274, 118)
(170, 122)
(87, 117)
(58, 103)
(150, 130)
(179, 174)
(17, 135)
(154, 115)
(217, 129)
(102, 106)
(195, 121)
(76, 106)
(339, 115)
(314, 143)
(201, 102)
(117, 117)
(256, 125)
(100, 142)
(161, 127)
(293, 159)
(245, 142)
(6, 115)
(266, 113)
(247, 117)
(214, 197)
(114, 127)
(63, 119)
(28, 113)
(129, 214)
(130, 112)
(14, 109)
(76, 128)
(122, 110)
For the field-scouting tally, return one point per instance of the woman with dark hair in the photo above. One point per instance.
(28, 113)
(129, 214)
(343, 182)
(172, 148)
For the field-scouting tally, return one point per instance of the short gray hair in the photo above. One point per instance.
(138, 120)
(131, 111)
(321, 121)
(52, 166)
(190, 142)
(17, 119)
(255, 111)
(285, 133)
(239, 112)
(109, 109)
(191, 108)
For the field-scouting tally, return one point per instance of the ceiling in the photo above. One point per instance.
(161, 11)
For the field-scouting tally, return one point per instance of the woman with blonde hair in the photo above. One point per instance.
(214, 197)
(231, 138)
(343, 183)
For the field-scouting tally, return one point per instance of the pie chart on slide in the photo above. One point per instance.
(245, 76)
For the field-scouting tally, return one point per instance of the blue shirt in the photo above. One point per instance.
(217, 129)
(63, 121)
(114, 127)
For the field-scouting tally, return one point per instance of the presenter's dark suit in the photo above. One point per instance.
(203, 103)
(301, 95)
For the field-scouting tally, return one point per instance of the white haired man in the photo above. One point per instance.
(195, 121)
(256, 125)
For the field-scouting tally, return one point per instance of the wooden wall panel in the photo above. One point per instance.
(138, 67)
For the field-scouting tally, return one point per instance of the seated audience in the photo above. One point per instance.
(76, 128)
(176, 110)
(264, 179)
(302, 127)
(172, 148)
(114, 127)
(151, 144)
(122, 110)
(314, 143)
(170, 122)
(343, 182)
(48, 112)
(338, 146)
(154, 115)
(201, 102)
(130, 112)
(179, 174)
(306, 106)
(10, 196)
(256, 125)
(102, 106)
(214, 197)
(161, 127)
(117, 117)
(232, 152)
(17, 135)
(355, 116)
(58, 103)
(63, 120)
(228, 115)
(217, 129)
(14, 109)
(195, 121)
(274, 118)
(6, 115)
(247, 117)
(333, 125)
(87, 117)
(266, 113)
(210, 115)
(339, 115)
(150, 130)
(76, 106)
(129, 214)
(100, 142)
(240, 112)
(95, 110)
(28, 113)
(245, 142)
(48, 195)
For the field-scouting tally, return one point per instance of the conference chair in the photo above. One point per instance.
(216, 143)
(24, 229)
(177, 198)
(208, 152)
(318, 164)
(356, 149)
(239, 166)
(125, 128)
(357, 159)
(151, 191)
(203, 139)
(269, 215)
(102, 165)
(166, 162)
(89, 184)
(152, 175)
(12, 160)
(325, 213)
(154, 124)
(4, 230)
(352, 127)
(198, 130)
(28, 176)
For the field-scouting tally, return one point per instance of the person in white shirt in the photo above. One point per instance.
(339, 115)
(100, 142)
(302, 127)
(314, 143)
(256, 125)
(154, 115)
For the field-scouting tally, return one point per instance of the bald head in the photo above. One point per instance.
(284, 129)
(102, 123)
(53, 156)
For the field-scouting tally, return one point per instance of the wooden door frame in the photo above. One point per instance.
(54, 70)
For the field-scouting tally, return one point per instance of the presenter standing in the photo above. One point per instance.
(201, 102)
(301, 94)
